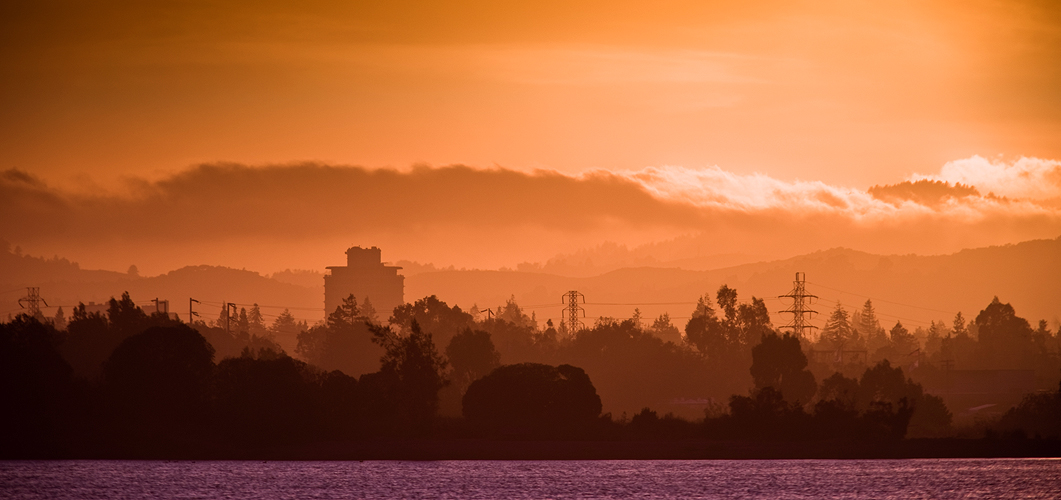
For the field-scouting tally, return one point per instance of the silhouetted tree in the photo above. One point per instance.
(520, 343)
(1005, 339)
(753, 321)
(778, 362)
(840, 389)
(705, 332)
(89, 341)
(471, 356)
(433, 315)
(243, 324)
(869, 328)
(901, 346)
(368, 312)
(344, 342)
(959, 347)
(663, 329)
(36, 390)
(727, 339)
(1037, 415)
(937, 331)
(255, 322)
(884, 389)
(285, 325)
(958, 328)
(156, 386)
(266, 400)
(59, 321)
(765, 415)
(838, 331)
(345, 314)
(533, 400)
(341, 405)
(512, 313)
(632, 368)
(417, 370)
(125, 317)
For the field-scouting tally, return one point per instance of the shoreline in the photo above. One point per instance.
(482, 449)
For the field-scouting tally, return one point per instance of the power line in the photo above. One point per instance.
(882, 300)
(878, 313)
(640, 304)
(279, 307)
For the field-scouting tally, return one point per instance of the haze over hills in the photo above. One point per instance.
(909, 288)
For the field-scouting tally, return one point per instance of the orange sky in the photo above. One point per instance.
(719, 111)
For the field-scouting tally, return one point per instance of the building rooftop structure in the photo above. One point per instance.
(365, 276)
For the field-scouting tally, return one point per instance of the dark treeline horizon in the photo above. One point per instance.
(126, 383)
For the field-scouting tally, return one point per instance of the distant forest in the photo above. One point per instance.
(128, 384)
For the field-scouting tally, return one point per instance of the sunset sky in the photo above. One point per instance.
(270, 135)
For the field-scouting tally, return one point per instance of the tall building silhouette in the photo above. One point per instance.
(365, 276)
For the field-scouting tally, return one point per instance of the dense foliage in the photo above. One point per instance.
(130, 384)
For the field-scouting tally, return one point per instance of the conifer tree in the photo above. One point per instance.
(838, 329)
(368, 312)
(959, 329)
(60, 320)
(703, 307)
(255, 322)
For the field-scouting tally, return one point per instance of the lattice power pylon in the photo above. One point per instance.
(33, 302)
(801, 301)
(571, 313)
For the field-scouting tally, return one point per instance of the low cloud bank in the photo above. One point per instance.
(1024, 178)
(965, 191)
(489, 217)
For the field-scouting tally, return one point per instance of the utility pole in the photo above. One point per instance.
(570, 314)
(191, 314)
(801, 300)
(33, 302)
(226, 306)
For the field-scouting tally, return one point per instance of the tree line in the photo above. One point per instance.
(126, 383)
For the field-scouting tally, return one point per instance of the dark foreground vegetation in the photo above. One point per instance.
(130, 385)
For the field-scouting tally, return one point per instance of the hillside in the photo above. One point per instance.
(911, 288)
(64, 284)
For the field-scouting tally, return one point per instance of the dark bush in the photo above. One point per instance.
(533, 400)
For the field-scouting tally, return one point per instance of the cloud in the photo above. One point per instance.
(1025, 178)
(218, 200)
(1025, 182)
(303, 215)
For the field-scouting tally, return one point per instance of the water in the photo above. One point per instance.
(1004, 478)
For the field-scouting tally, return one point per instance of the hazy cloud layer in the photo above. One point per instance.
(964, 191)
(1028, 178)
(311, 199)
(484, 218)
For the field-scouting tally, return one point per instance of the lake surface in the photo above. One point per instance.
(949, 478)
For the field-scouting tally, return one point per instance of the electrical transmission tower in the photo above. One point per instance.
(801, 301)
(570, 314)
(33, 302)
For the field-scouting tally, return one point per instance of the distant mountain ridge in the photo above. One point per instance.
(910, 288)
(64, 284)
